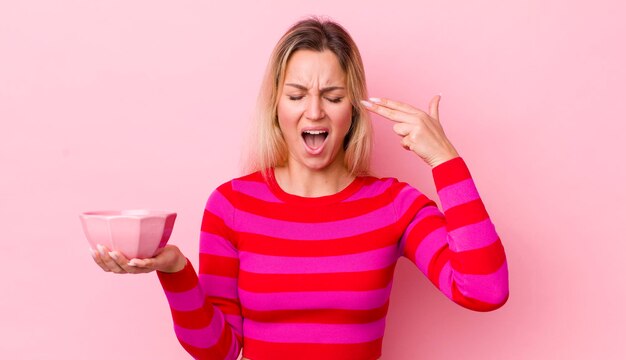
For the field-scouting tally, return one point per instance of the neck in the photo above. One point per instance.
(299, 180)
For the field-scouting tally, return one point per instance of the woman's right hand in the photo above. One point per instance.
(168, 259)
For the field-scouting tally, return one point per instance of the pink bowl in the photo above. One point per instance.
(135, 233)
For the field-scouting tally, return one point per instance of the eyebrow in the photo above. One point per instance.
(326, 89)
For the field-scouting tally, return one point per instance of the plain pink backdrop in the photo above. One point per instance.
(146, 104)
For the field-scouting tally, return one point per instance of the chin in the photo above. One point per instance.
(318, 164)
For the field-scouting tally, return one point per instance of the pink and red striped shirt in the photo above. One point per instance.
(287, 277)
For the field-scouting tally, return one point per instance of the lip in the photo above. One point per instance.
(309, 149)
(313, 128)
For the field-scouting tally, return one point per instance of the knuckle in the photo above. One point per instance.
(425, 118)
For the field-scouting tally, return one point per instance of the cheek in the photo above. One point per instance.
(287, 113)
(287, 120)
(343, 117)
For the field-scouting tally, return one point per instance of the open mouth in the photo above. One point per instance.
(314, 139)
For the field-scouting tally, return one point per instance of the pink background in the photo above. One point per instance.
(146, 104)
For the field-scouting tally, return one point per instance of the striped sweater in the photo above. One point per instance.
(289, 277)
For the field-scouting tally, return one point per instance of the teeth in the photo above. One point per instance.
(315, 132)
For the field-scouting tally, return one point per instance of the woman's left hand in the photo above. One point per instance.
(421, 132)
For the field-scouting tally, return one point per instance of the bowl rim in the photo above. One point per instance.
(127, 213)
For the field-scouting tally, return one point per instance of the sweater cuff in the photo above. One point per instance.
(450, 172)
(183, 280)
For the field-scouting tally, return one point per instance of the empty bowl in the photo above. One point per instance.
(134, 233)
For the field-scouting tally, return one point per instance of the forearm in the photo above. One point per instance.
(471, 265)
(200, 326)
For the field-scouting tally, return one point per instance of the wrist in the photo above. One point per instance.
(444, 158)
(179, 264)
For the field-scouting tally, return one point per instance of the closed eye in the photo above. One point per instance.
(332, 100)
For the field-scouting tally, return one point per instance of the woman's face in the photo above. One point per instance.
(314, 112)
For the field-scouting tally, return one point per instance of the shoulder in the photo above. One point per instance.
(244, 189)
(227, 188)
(404, 197)
(389, 186)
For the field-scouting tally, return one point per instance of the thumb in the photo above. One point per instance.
(143, 263)
(434, 107)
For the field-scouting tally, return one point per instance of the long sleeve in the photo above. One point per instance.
(205, 308)
(459, 249)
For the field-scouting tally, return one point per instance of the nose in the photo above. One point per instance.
(314, 109)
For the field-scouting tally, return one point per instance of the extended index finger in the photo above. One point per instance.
(396, 105)
(391, 114)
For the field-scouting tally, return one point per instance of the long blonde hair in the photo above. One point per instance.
(315, 34)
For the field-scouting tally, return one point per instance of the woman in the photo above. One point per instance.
(297, 258)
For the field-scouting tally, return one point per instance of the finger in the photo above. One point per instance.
(434, 107)
(122, 262)
(108, 261)
(393, 115)
(396, 105)
(406, 143)
(96, 257)
(138, 266)
(145, 264)
(402, 129)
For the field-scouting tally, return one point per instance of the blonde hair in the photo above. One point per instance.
(318, 35)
